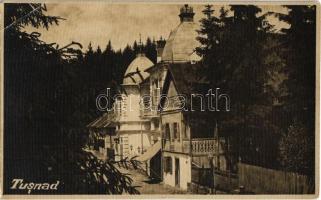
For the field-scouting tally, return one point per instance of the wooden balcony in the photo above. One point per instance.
(149, 112)
(195, 146)
(204, 146)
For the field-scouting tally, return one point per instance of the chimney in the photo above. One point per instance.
(160, 47)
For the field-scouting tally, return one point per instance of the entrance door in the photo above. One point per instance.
(123, 144)
(177, 172)
(155, 166)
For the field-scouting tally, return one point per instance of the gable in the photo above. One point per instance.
(171, 102)
(188, 83)
(171, 90)
(170, 94)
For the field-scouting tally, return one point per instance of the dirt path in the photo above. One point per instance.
(146, 186)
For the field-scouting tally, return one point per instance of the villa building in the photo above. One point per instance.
(149, 122)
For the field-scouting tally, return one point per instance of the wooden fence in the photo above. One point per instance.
(202, 176)
(268, 181)
(223, 181)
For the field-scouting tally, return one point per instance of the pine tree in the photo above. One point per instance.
(301, 44)
(208, 30)
(109, 48)
(236, 61)
(46, 118)
(135, 47)
(299, 102)
(150, 50)
(89, 53)
(98, 51)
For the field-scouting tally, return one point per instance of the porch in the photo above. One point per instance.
(102, 133)
(149, 111)
(195, 146)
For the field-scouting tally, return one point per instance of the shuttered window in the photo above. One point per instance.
(172, 132)
(167, 132)
(176, 131)
(168, 165)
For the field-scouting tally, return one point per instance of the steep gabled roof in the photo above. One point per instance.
(188, 79)
(191, 79)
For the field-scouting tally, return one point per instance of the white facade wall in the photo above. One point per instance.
(134, 125)
(157, 79)
(185, 170)
(136, 141)
(133, 130)
(130, 104)
(136, 137)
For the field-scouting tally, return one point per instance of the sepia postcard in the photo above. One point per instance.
(214, 99)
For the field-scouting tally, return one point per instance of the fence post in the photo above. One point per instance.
(199, 176)
(295, 183)
(212, 183)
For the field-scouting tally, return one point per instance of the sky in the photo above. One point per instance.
(121, 23)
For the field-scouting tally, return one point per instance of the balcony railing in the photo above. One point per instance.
(201, 146)
(196, 146)
(149, 111)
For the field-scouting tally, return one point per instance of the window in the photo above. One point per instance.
(147, 126)
(119, 107)
(156, 124)
(168, 165)
(146, 102)
(185, 131)
(156, 96)
(172, 132)
(176, 131)
(167, 132)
